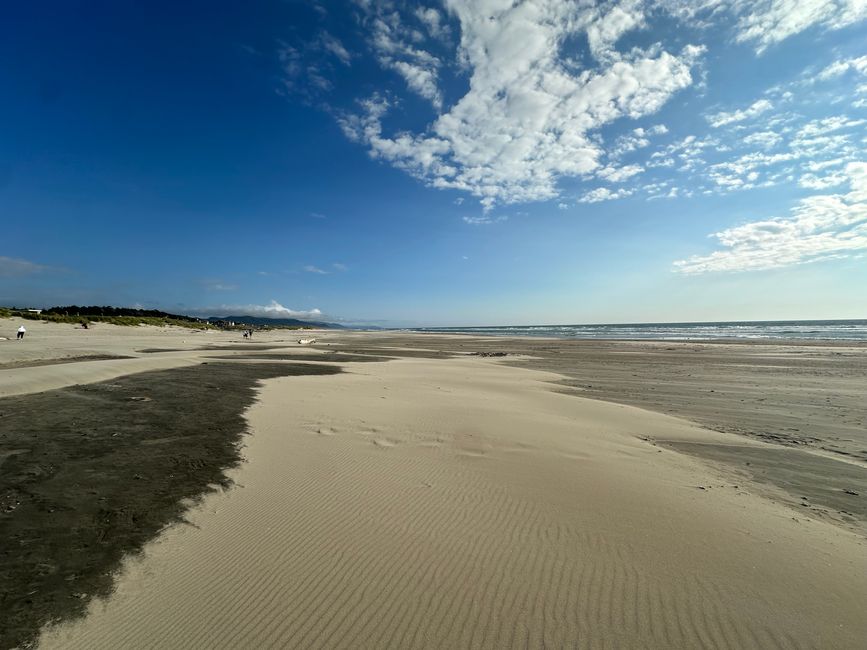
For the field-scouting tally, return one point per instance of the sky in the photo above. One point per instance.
(447, 162)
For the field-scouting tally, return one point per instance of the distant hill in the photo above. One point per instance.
(261, 321)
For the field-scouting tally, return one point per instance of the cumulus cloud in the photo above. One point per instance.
(527, 119)
(603, 194)
(757, 108)
(637, 139)
(820, 227)
(272, 310)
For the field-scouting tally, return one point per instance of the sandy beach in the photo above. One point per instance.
(444, 498)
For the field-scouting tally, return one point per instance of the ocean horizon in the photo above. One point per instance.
(819, 330)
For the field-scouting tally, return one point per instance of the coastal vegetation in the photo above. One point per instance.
(128, 316)
(113, 315)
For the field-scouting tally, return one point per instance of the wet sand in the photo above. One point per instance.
(445, 500)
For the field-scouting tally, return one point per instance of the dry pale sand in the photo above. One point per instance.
(25, 366)
(460, 503)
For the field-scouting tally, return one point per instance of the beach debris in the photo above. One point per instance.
(306, 341)
(489, 354)
(852, 492)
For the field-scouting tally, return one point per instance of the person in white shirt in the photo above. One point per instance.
(21, 331)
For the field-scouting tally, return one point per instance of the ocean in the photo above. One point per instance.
(819, 330)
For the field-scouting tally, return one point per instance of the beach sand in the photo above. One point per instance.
(445, 500)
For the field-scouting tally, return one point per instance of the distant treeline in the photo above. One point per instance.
(93, 310)
(79, 315)
(113, 315)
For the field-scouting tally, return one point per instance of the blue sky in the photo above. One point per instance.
(448, 162)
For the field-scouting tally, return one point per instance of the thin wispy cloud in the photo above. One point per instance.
(820, 227)
(768, 22)
(765, 23)
(757, 108)
(484, 220)
(333, 46)
(218, 285)
(16, 267)
(310, 268)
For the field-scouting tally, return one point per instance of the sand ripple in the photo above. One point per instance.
(493, 515)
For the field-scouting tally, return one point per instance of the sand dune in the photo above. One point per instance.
(459, 503)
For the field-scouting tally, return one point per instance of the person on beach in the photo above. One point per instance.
(21, 332)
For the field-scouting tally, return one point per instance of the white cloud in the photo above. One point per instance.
(315, 269)
(826, 125)
(484, 220)
(338, 266)
(272, 310)
(814, 182)
(638, 139)
(395, 46)
(757, 108)
(820, 227)
(764, 139)
(842, 66)
(433, 22)
(603, 194)
(619, 174)
(527, 119)
(335, 47)
(608, 27)
(767, 22)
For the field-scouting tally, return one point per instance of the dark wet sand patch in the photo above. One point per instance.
(820, 486)
(327, 357)
(92, 472)
(213, 348)
(53, 362)
(154, 350)
(241, 346)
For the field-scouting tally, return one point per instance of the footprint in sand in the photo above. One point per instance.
(325, 431)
